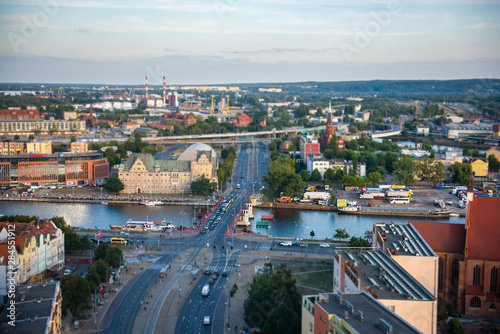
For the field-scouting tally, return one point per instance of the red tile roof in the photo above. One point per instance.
(442, 237)
(483, 233)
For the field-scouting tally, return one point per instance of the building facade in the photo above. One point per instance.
(53, 169)
(242, 120)
(479, 167)
(19, 114)
(317, 161)
(308, 145)
(39, 146)
(141, 173)
(44, 128)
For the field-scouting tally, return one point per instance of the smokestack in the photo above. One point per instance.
(163, 90)
(147, 96)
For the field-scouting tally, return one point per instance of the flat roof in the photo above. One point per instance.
(372, 311)
(386, 278)
(403, 239)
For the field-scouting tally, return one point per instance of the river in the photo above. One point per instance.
(286, 223)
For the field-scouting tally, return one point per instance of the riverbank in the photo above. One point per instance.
(102, 200)
(295, 206)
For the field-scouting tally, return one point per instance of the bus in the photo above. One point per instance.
(119, 241)
(400, 200)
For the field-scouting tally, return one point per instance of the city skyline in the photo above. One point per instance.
(238, 41)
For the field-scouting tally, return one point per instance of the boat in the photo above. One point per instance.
(115, 227)
(453, 214)
(350, 208)
(135, 225)
(151, 203)
(104, 203)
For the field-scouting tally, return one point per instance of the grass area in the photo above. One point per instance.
(316, 277)
(267, 195)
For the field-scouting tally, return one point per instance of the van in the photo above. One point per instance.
(119, 241)
(205, 290)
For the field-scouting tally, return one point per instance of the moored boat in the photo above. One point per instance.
(151, 203)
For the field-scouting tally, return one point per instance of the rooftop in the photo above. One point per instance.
(441, 236)
(483, 231)
(363, 306)
(384, 278)
(403, 239)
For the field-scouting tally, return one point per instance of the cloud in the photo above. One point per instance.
(82, 30)
(170, 50)
(477, 26)
(274, 50)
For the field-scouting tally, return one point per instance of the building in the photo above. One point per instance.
(360, 170)
(308, 145)
(180, 119)
(42, 128)
(350, 313)
(496, 131)
(70, 115)
(130, 126)
(457, 130)
(39, 310)
(469, 257)
(160, 126)
(449, 157)
(479, 167)
(12, 147)
(39, 247)
(146, 132)
(242, 120)
(19, 114)
(423, 130)
(79, 147)
(53, 169)
(378, 274)
(495, 151)
(39, 146)
(141, 173)
(317, 161)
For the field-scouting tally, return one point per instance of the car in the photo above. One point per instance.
(216, 273)
(210, 281)
(295, 243)
(67, 272)
(303, 245)
(224, 273)
(285, 243)
(214, 277)
(203, 231)
(207, 272)
(74, 267)
(206, 320)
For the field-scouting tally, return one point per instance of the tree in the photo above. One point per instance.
(93, 278)
(114, 185)
(460, 172)
(456, 327)
(203, 186)
(358, 242)
(73, 139)
(267, 292)
(438, 173)
(374, 177)
(329, 175)
(282, 178)
(316, 175)
(341, 233)
(113, 257)
(405, 170)
(328, 153)
(16, 137)
(71, 240)
(31, 137)
(493, 163)
(312, 234)
(138, 141)
(390, 160)
(304, 175)
(273, 146)
(100, 251)
(101, 267)
(76, 294)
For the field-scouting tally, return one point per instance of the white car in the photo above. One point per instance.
(67, 272)
(286, 243)
(206, 320)
(324, 245)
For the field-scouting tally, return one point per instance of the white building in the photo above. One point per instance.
(361, 170)
(454, 130)
(317, 161)
(423, 130)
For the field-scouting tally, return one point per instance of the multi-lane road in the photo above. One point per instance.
(252, 163)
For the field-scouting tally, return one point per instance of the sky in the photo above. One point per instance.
(244, 41)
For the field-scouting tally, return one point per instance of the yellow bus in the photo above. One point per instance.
(119, 241)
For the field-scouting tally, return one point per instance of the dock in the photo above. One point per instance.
(98, 201)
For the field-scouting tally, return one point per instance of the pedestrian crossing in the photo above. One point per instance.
(156, 266)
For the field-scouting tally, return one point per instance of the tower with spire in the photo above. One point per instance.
(329, 124)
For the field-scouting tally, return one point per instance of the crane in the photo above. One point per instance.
(212, 108)
(227, 104)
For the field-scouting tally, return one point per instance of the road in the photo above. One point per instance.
(252, 162)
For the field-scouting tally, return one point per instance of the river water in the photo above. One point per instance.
(286, 223)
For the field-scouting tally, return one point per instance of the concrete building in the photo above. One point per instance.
(19, 114)
(39, 146)
(52, 169)
(449, 157)
(479, 167)
(70, 115)
(317, 161)
(308, 145)
(423, 130)
(146, 132)
(42, 128)
(130, 126)
(79, 147)
(457, 130)
(350, 313)
(39, 247)
(141, 173)
(361, 169)
(39, 310)
(378, 274)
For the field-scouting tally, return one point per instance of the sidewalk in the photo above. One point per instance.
(126, 281)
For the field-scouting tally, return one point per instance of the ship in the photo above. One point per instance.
(392, 212)
(151, 203)
(144, 226)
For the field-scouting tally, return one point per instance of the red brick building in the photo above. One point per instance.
(19, 114)
(242, 121)
(160, 126)
(469, 257)
(178, 118)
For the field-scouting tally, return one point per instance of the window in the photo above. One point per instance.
(476, 275)
(475, 302)
(492, 307)
(454, 274)
(494, 280)
(440, 274)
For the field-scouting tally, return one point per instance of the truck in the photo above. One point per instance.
(372, 195)
(317, 195)
(457, 189)
(398, 193)
(372, 190)
(341, 203)
(284, 199)
(205, 290)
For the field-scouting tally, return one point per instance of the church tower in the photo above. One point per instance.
(329, 124)
(470, 198)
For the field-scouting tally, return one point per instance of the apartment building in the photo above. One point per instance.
(308, 145)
